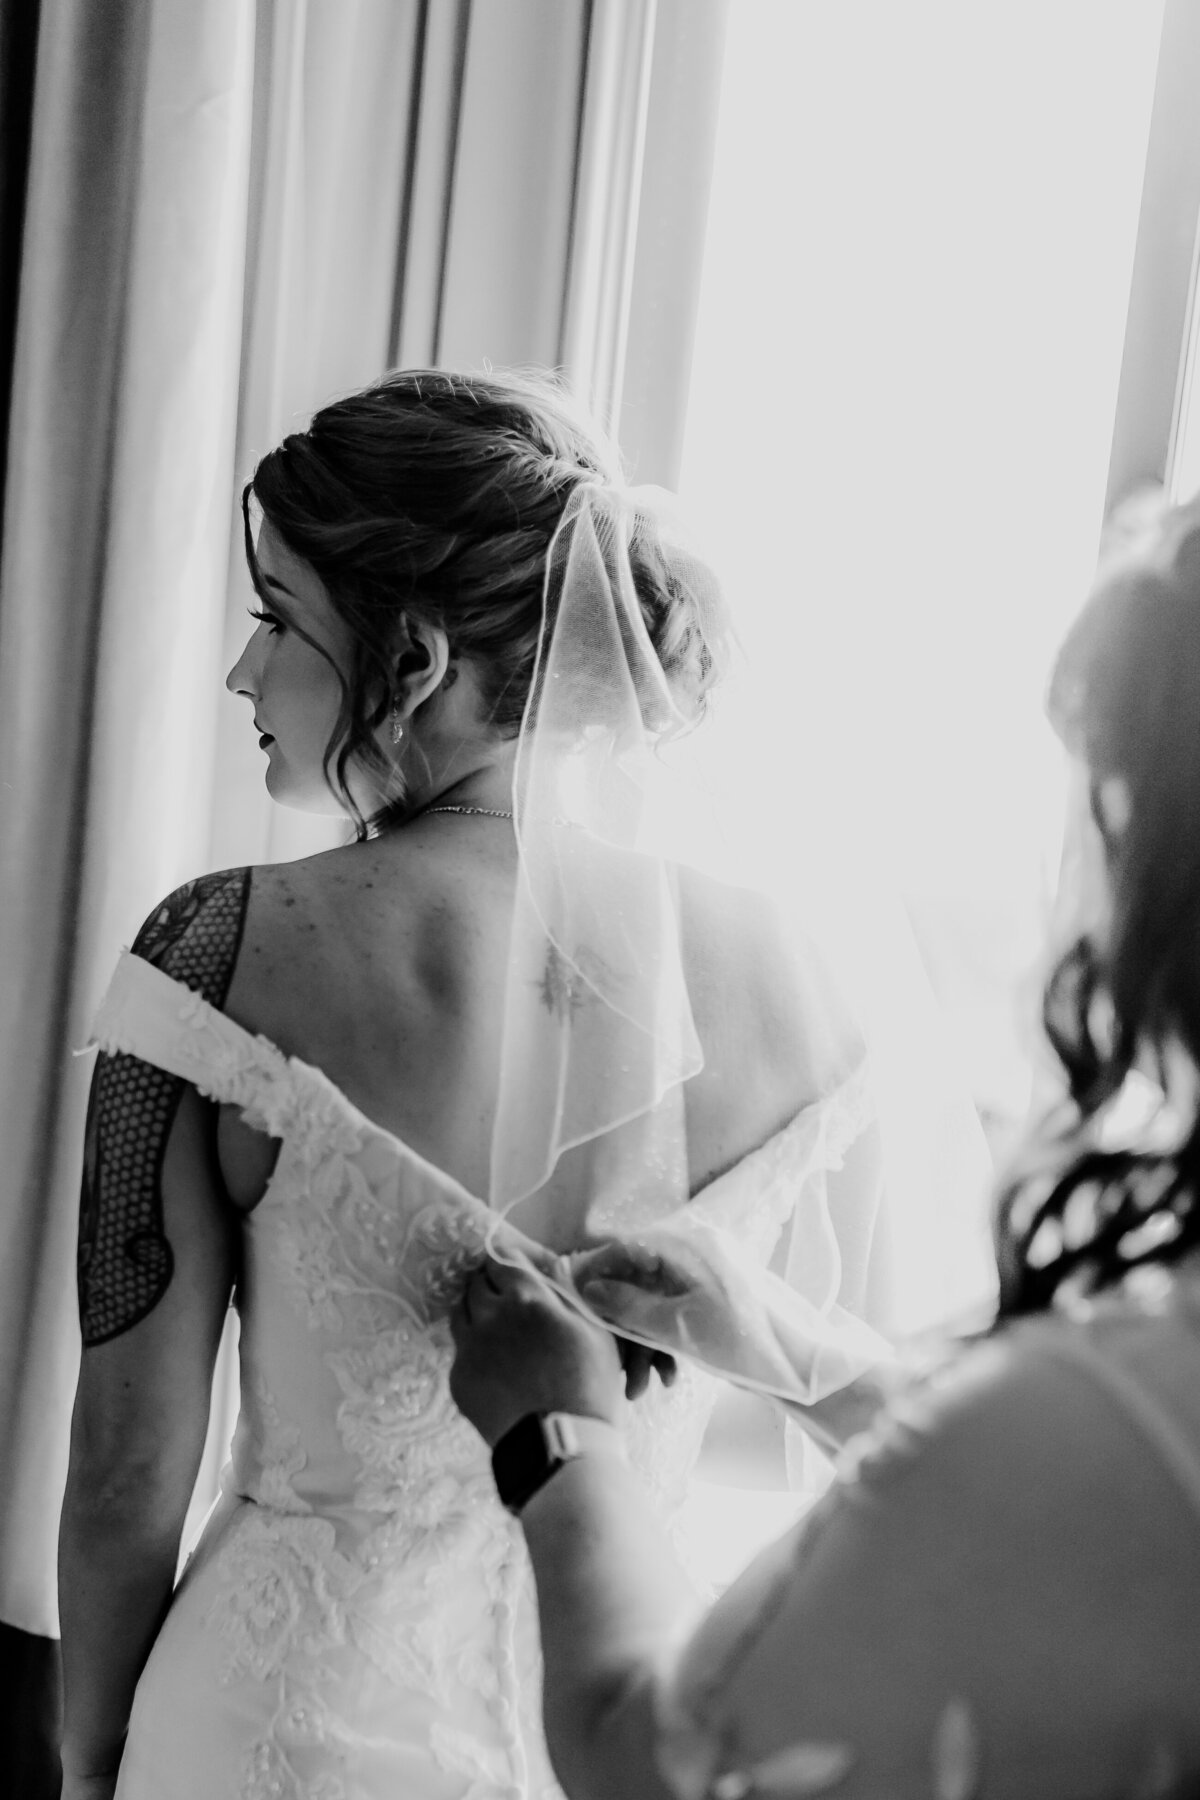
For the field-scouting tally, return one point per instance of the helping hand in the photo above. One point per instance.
(601, 1274)
(615, 1257)
(686, 1292)
(520, 1348)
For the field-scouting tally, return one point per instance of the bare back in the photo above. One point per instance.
(383, 965)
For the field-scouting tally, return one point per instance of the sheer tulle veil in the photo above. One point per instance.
(613, 821)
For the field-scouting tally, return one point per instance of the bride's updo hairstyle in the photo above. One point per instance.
(434, 496)
(1125, 698)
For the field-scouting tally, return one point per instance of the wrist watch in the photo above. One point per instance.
(540, 1444)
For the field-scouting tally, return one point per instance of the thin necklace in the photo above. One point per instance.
(482, 812)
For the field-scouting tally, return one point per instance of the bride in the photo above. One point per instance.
(322, 1084)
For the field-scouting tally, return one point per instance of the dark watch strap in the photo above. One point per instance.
(540, 1444)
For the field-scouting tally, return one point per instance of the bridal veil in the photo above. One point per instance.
(599, 1038)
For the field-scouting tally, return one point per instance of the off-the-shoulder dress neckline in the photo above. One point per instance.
(131, 966)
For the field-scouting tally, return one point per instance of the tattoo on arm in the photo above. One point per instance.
(196, 933)
(125, 1263)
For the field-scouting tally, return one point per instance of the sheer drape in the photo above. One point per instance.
(232, 212)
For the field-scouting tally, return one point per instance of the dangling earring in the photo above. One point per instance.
(397, 730)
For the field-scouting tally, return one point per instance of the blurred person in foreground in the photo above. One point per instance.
(1000, 1594)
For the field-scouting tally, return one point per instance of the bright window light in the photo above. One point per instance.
(914, 298)
(916, 281)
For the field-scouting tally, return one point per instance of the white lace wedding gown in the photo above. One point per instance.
(357, 1621)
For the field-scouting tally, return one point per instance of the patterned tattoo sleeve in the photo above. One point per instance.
(125, 1261)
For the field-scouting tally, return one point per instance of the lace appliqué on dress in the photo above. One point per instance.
(375, 1280)
(280, 1453)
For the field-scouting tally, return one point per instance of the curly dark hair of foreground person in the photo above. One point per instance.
(1124, 697)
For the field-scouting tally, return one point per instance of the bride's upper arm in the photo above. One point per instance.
(153, 1307)
(157, 1235)
(195, 934)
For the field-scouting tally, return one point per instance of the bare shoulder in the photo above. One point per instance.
(399, 874)
(386, 930)
(763, 997)
(319, 913)
(194, 935)
(730, 932)
(190, 909)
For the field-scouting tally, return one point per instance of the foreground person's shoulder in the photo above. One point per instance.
(1039, 1407)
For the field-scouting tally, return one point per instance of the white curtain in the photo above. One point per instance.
(116, 527)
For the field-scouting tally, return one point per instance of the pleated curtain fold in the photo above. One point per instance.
(232, 212)
(124, 385)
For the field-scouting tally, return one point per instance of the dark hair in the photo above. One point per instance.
(435, 496)
(1125, 698)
